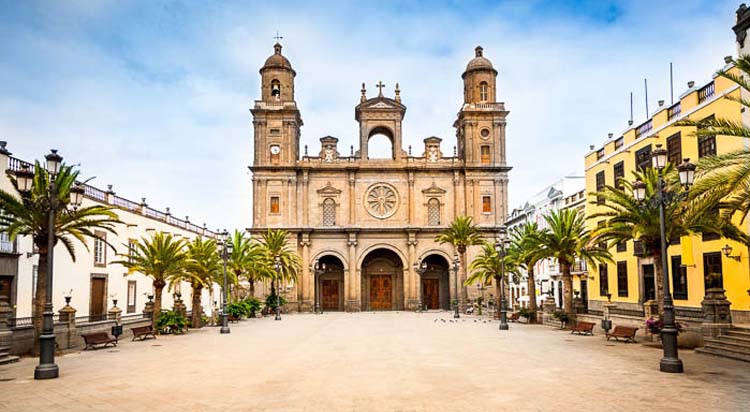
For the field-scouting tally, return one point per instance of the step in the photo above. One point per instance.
(737, 339)
(723, 354)
(740, 346)
(729, 347)
(738, 332)
(4, 360)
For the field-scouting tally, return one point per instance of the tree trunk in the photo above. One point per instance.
(497, 296)
(532, 291)
(568, 288)
(197, 309)
(659, 282)
(158, 288)
(40, 296)
(251, 289)
(464, 290)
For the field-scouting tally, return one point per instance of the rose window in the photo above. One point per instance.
(382, 201)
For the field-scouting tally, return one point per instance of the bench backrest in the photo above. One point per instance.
(586, 325)
(140, 329)
(625, 330)
(95, 336)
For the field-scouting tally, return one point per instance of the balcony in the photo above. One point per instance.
(674, 111)
(706, 92)
(644, 129)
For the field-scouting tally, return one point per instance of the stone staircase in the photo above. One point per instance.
(734, 344)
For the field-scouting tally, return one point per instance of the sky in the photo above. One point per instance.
(153, 97)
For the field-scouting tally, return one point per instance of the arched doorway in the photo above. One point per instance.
(330, 283)
(435, 283)
(382, 281)
(380, 144)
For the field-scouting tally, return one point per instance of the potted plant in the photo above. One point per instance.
(525, 313)
(654, 326)
(171, 322)
(561, 316)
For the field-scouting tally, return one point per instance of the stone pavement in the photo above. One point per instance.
(376, 362)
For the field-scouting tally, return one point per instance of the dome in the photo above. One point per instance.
(479, 62)
(277, 59)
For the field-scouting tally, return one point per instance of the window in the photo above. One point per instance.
(132, 249)
(131, 296)
(486, 157)
(483, 89)
(712, 272)
(6, 245)
(706, 146)
(602, 244)
(603, 280)
(619, 172)
(679, 278)
(599, 153)
(486, 204)
(276, 88)
(622, 279)
(100, 249)
(674, 149)
(619, 143)
(275, 154)
(275, 205)
(433, 212)
(329, 212)
(600, 186)
(643, 158)
(621, 246)
(710, 235)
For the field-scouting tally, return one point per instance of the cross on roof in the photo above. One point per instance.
(380, 86)
(278, 37)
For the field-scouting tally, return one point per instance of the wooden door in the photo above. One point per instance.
(430, 294)
(97, 309)
(380, 292)
(330, 292)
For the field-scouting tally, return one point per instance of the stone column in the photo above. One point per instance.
(114, 313)
(352, 194)
(148, 309)
(412, 206)
(413, 281)
(68, 316)
(6, 335)
(353, 290)
(306, 283)
(717, 317)
(305, 198)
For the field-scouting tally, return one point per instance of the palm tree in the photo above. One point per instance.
(161, 257)
(630, 219)
(485, 267)
(461, 233)
(566, 239)
(27, 215)
(202, 268)
(246, 261)
(273, 244)
(525, 252)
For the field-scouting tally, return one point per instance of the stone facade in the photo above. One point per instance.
(370, 220)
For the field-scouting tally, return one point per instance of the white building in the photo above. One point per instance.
(92, 280)
(556, 196)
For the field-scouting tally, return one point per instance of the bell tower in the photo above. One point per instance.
(276, 119)
(276, 143)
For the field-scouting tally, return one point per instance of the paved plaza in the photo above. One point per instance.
(376, 362)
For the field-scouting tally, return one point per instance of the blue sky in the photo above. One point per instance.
(153, 97)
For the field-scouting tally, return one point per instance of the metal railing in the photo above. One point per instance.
(90, 318)
(126, 204)
(20, 322)
(94, 193)
(705, 92)
(15, 164)
(644, 128)
(674, 111)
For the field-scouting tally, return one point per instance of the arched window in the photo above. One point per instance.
(329, 212)
(433, 212)
(485, 153)
(483, 89)
(380, 146)
(276, 88)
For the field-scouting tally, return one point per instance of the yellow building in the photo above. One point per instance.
(696, 261)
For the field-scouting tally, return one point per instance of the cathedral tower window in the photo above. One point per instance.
(276, 88)
(483, 89)
(275, 207)
(433, 212)
(329, 212)
(486, 157)
(486, 204)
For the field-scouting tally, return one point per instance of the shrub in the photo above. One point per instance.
(526, 313)
(562, 316)
(236, 309)
(271, 301)
(252, 305)
(171, 322)
(656, 325)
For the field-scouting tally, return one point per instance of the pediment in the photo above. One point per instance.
(381, 103)
(433, 190)
(329, 190)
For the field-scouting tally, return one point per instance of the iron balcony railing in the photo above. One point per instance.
(674, 111)
(706, 92)
(644, 128)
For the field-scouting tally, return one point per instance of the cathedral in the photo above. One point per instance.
(365, 228)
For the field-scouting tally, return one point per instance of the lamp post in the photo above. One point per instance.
(277, 268)
(226, 250)
(47, 368)
(420, 268)
(318, 269)
(481, 288)
(455, 283)
(670, 362)
(500, 249)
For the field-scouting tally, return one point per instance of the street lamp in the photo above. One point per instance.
(670, 362)
(226, 251)
(481, 288)
(420, 269)
(455, 283)
(318, 269)
(500, 249)
(47, 368)
(277, 268)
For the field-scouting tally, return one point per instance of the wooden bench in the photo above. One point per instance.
(233, 318)
(623, 332)
(513, 317)
(583, 328)
(98, 338)
(143, 332)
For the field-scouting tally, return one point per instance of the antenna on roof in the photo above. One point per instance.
(645, 85)
(630, 122)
